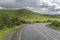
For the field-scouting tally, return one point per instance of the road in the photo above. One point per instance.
(38, 31)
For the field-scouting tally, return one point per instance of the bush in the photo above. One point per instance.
(23, 21)
(49, 20)
(55, 23)
(37, 21)
(1, 25)
(9, 22)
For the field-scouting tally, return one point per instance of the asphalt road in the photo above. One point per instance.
(38, 31)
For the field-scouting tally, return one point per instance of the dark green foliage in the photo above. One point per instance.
(55, 23)
(22, 21)
(9, 22)
(2, 25)
(37, 21)
(49, 20)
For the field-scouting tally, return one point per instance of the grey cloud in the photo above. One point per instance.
(18, 3)
(33, 4)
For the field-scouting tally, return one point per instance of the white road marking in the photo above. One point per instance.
(44, 34)
(51, 37)
(20, 34)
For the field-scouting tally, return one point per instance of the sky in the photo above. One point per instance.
(41, 6)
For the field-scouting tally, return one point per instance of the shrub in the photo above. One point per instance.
(55, 23)
(37, 21)
(1, 25)
(23, 21)
(49, 20)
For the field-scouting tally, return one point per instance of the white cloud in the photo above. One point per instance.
(43, 6)
(1, 7)
(48, 2)
(50, 6)
(58, 7)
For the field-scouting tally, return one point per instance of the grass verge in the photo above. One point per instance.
(57, 28)
(4, 32)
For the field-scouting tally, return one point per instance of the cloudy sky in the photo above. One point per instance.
(42, 6)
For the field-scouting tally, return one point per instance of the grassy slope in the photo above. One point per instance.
(55, 17)
(22, 14)
(32, 16)
(4, 32)
(27, 15)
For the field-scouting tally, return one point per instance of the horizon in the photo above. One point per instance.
(45, 7)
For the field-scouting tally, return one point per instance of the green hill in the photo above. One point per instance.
(11, 18)
(27, 15)
(31, 16)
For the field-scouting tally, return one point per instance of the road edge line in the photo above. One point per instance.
(20, 35)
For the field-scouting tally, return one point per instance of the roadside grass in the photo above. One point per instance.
(54, 25)
(54, 28)
(5, 32)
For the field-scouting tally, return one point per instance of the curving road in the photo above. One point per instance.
(38, 31)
